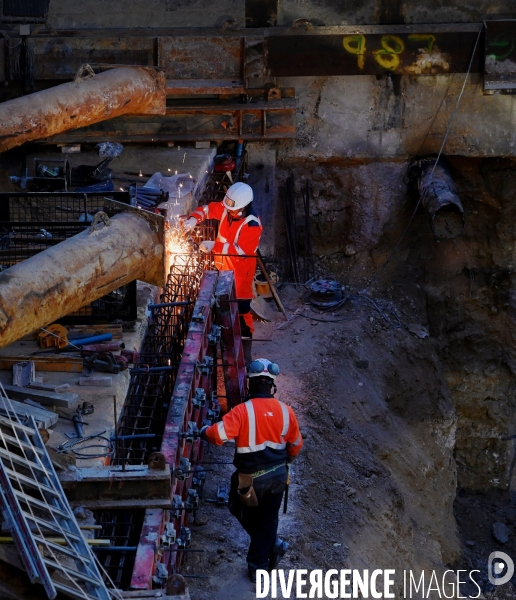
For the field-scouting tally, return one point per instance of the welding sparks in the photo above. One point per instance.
(175, 243)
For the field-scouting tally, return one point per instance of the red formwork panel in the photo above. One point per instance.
(231, 342)
(144, 563)
(196, 372)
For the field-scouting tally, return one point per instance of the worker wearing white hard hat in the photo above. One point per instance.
(235, 247)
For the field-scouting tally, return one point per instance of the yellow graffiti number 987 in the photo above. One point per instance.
(388, 56)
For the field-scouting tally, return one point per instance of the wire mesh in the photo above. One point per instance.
(122, 528)
(33, 222)
(149, 392)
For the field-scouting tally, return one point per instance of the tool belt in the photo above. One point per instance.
(245, 484)
(246, 490)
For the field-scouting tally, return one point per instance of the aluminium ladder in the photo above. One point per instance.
(36, 510)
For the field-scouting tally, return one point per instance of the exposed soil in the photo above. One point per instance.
(404, 465)
(374, 486)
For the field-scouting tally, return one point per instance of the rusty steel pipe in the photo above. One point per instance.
(439, 197)
(118, 91)
(75, 272)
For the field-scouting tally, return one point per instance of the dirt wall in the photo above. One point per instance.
(358, 214)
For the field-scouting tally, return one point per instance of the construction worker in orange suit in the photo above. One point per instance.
(267, 439)
(235, 248)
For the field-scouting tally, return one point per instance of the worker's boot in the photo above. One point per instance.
(252, 568)
(247, 344)
(278, 552)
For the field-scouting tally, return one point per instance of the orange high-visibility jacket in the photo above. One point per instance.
(265, 431)
(236, 237)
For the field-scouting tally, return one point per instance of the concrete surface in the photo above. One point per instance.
(102, 420)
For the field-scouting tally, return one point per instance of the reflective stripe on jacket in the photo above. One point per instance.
(236, 237)
(265, 430)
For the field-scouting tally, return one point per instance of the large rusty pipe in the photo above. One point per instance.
(118, 91)
(67, 276)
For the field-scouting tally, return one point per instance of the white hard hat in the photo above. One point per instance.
(263, 367)
(238, 196)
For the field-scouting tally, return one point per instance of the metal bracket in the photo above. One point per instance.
(199, 478)
(185, 537)
(198, 316)
(161, 575)
(205, 368)
(169, 535)
(215, 334)
(193, 500)
(177, 507)
(199, 400)
(183, 471)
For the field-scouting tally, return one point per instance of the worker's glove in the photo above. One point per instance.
(202, 433)
(206, 246)
(189, 224)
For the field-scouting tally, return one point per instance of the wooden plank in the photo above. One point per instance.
(41, 416)
(61, 364)
(49, 398)
(122, 503)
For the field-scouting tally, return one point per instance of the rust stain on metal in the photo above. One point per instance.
(200, 57)
(120, 91)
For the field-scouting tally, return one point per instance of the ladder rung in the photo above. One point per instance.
(48, 507)
(63, 549)
(72, 573)
(19, 444)
(79, 594)
(14, 476)
(21, 461)
(15, 424)
(49, 524)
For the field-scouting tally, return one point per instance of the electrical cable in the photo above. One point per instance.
(80, 454)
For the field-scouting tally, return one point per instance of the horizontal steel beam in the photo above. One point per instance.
(241, 55)
(218, 121)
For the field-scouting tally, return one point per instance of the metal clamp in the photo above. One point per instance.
(169, 535)
(199, 478)
(178, 507)
(193, 500)
(192, 433)
(205, 368)
(161, 575)
(183, 471)
(185, 537)
(215, 334)
(199, 400)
